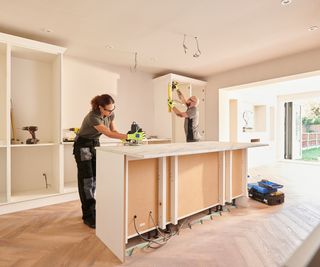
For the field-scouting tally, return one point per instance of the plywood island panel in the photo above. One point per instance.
(142, 187)
(198, 183)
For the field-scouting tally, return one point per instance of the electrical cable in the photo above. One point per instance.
(158, 228)
(171, 234)
(179, 228)
(165, 237)
(146, 239)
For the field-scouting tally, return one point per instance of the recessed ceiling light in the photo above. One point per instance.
(109, 46)
(46, 30)
(286, 2)
(313, 28)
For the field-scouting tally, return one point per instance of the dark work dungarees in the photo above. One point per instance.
(85, 156)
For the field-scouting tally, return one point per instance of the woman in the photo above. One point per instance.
(100, 120)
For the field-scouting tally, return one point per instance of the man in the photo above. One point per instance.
(191, 115)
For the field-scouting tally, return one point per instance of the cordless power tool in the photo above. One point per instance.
(134, 128)
(32, 130)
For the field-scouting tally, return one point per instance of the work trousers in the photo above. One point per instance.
(85, 156)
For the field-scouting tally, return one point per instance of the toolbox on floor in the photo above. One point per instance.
(266, 192)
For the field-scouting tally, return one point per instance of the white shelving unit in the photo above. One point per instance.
(31, 175)
(3, 124)
(174, 126)
(3, 171)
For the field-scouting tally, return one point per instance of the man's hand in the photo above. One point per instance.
(138, 136)
(170, 104)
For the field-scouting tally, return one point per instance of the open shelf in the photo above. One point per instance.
(35, 169)
(28, 195)
(35, 94)
(34, 145)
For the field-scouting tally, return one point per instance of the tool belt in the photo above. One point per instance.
(85, 142)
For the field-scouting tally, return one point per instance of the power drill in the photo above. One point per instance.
(75, 130)
(32, 130)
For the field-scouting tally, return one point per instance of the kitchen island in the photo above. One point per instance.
(159, 184)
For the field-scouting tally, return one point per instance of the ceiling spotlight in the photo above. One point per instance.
(313, 28)
(46, 30)
(286, 2)
(185, 48)
(198, 52)
(109, 46)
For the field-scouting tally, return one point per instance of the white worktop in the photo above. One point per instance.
(110, 141)
(176, 149)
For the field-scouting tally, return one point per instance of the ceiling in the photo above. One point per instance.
(231, 33)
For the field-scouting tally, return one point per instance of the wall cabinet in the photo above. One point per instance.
(31, 175)
(166, 124)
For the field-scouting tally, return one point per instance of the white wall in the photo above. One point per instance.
(132, 92)
(285, 66)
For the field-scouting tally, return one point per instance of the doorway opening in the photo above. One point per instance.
(284, 113)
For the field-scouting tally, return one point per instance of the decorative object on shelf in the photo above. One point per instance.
(248, 120)
(32, 130)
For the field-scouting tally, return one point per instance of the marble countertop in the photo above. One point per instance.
(110, 141)
(176, 149)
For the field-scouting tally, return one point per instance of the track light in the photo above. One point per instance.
(286, 2)
(185, 48)
(134, 69)
(198, 52)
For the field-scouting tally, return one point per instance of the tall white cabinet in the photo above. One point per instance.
(31, 175)
(166, 124)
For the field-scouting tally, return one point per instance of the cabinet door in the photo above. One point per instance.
(178, 133)
(199, 91)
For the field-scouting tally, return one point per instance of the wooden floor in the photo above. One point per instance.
(253, 234)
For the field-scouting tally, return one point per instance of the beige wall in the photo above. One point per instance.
(132, 92)
(291, 65)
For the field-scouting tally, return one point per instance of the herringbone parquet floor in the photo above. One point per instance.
(253, 234)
